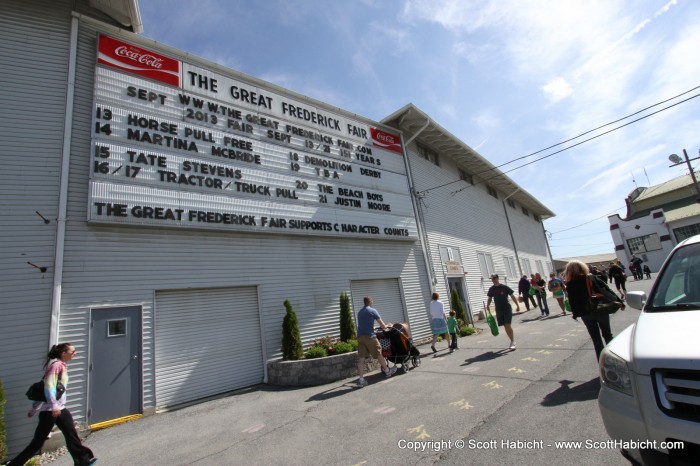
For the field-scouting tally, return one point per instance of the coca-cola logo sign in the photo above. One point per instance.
(137, 56)
(386, 140)
(132, 59)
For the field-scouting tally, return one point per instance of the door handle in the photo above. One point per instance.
(136, 356)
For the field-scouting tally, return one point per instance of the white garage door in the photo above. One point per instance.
(387, 298)
(207, 341)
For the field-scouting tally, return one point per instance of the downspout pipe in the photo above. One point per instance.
(510, 230)
(63, 188)
(416, 206)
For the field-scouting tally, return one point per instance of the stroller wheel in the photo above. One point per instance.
(415, 360)
(404, 368)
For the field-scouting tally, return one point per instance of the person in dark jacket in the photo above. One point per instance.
(577, 288)
(617, 275)
(524, 291)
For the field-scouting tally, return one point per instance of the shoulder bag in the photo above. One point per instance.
(36, 390)
(600, 303)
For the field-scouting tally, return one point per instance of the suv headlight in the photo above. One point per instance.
(614, 372)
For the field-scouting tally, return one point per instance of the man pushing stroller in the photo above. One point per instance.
(368, 344)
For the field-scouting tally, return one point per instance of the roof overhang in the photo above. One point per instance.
(413, 122)
(125, 12)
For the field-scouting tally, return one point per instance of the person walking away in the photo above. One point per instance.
(367, 342)
(452, 329)
(617, 275)
(524, 292)
(638, 272)
(556, 286)
(54, 411)
(647, 271)
(499, 293)
(579, 292)
(437, 320)
(541, 294)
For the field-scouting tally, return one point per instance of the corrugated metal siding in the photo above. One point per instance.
(472, 221)
(207, 342)
(34, 37)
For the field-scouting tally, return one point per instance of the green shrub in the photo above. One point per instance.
(343, 347)
(456, 305)
(354, 344)
(464, 331)
(291, 338)
(347, 326)
(316, 352)
(3, 437)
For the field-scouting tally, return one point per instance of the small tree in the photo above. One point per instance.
(456, 304)
(347, 326)
(291, 338)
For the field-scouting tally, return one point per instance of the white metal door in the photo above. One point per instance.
(387, 298)
(207, 341)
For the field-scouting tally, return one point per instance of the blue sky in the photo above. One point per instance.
(507, 77)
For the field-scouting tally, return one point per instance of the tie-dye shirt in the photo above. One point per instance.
(51, 375)
(556, 287)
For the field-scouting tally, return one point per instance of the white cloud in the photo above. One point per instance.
(557, 89)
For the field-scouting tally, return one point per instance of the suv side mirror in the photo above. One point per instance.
(636, 299)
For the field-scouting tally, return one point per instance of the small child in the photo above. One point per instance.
(452, 329)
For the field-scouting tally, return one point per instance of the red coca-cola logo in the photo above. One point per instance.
(386, 140)
(132, 59)
(137, 56)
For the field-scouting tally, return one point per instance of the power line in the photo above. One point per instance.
(573, 138)
(590, 221)
(573, 145)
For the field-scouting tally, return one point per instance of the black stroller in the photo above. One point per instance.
(397, 346)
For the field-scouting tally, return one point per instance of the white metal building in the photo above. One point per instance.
(157, 209)
(475, 220)
(658, 218)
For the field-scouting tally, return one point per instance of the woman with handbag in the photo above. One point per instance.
(54, 411)
(580, 287)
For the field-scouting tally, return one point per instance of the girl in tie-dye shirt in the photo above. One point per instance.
(54, 411)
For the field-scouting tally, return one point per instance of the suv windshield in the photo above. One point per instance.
(678, 287)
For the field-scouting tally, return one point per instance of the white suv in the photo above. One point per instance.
(650, 391)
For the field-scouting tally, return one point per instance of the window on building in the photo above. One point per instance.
(511, 203)
(526, 212)
(492, 191)
(644, 243)
(509, 266)
(540, 269)
(464, 176)
(428, 154)
(527, 269)
(485, 264)
(686, 232)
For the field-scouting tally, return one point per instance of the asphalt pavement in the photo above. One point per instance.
(481, 405)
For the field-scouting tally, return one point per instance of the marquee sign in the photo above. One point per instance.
(178, 145)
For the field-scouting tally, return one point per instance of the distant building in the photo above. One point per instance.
(657, 219)
(599, 260)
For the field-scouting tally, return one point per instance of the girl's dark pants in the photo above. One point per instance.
(597, 324)
(80, 453)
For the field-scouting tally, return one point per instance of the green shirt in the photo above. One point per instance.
(452, 325)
